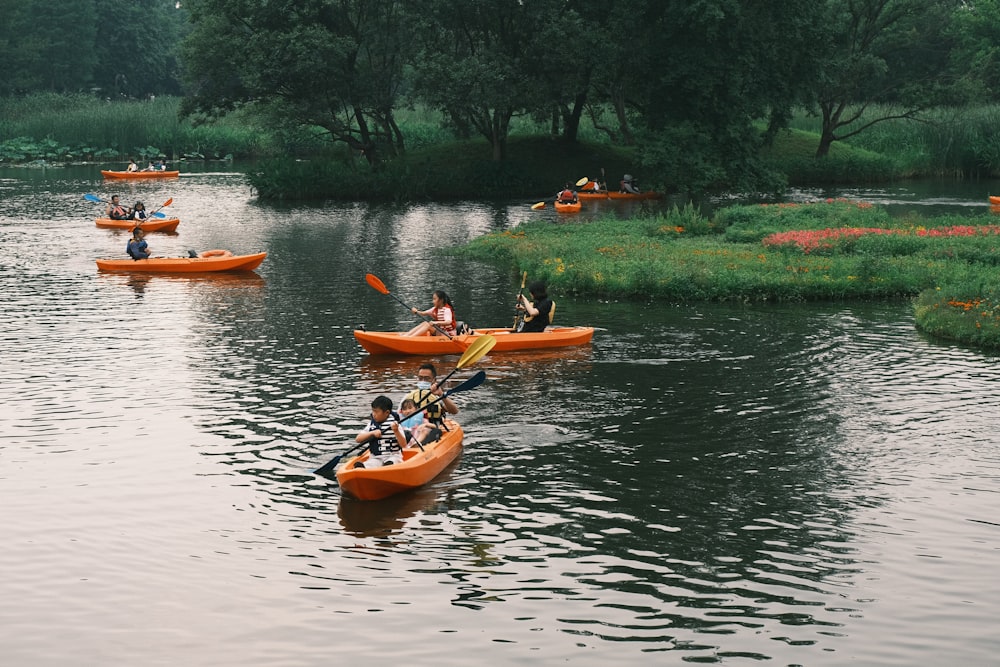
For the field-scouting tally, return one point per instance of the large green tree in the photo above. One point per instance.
(332, 64)
(476, 62)
(888, 52)
(711, 73)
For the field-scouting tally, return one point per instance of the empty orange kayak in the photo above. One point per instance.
(139, 174)
(416, 469)
(210, 260)
(148, 225)
(394, 342)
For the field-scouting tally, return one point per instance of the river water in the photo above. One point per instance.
(790, 484)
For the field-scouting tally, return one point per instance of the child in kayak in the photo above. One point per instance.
(137, 247)
(383, 435)
(416, 430)
(441, 312)
(138, 211)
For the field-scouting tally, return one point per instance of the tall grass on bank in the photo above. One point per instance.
(681, 256)
(82, 127)
(962, 142)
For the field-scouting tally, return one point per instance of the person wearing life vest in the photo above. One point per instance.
(567, 196)
(538, 312)
(442, 314)
(137, 247)
(116, 211)
(427, 390)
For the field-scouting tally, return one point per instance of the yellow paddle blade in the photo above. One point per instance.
(476, 351)
(535, 207)
(583, 181)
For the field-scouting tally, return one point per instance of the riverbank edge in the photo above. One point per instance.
(946, 266)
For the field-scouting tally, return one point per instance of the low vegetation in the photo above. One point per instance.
(833, 250)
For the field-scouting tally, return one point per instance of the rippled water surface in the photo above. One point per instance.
(811, 485)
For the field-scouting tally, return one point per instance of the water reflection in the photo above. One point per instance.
(803, 484)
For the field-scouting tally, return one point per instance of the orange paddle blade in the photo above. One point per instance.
(168, 202)
(373, 280)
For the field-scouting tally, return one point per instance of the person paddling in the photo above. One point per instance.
(116, 211)
(538, 312)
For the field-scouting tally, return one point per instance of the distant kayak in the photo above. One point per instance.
(210, 260)
(148, 225)
(618, 195)
(139, 174)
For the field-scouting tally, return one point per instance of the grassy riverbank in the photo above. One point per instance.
(828, 251)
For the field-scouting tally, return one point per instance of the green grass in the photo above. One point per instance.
(681, 257)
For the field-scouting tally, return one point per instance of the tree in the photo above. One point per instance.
(880, 51)
(473, 62)
(40, 46)
(713, 71)
(333, 64)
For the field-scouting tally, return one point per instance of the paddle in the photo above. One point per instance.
(517, 300)
(583, 181)
(473, 382)
(476, 351)
(539, 205)
(373, 280)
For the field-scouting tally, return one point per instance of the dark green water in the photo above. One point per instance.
(810, 485)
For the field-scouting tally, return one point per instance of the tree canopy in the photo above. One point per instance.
(697, 86)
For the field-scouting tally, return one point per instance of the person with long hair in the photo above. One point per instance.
(538, 312)
(442, 315)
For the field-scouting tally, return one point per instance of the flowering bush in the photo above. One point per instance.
(812, 240)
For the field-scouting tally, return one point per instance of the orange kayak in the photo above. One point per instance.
(568, 208)
(139, 174)
(994, 200)
(148, 225)
(629, 195)
(210, 260)
(393, 342)
(416, 469)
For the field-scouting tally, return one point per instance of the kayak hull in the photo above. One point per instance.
(393, 342)
(629, 195)
(139, 174)
(417, 468)
(149, 225)
(568, 208)
(183, 264)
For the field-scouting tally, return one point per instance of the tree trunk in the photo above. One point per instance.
(618, 100)
(571, 122)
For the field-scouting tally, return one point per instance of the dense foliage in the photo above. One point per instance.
(115, 49)
(698, 89)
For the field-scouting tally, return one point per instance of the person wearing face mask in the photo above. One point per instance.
(427, 391)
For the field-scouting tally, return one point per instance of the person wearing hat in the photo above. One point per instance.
(629, 185)
(137, 247)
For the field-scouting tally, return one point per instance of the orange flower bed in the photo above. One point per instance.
(825, 239)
